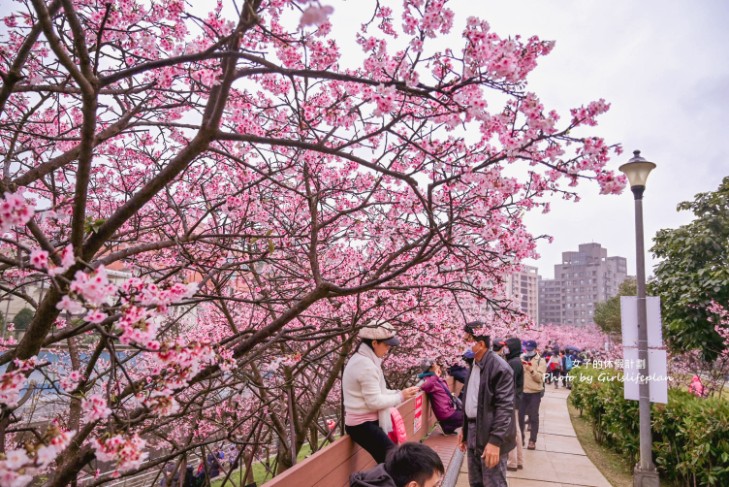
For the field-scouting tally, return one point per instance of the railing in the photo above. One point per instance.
(332, 466)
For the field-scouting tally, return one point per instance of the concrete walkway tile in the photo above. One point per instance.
(558, 460)
(578, 469)
(529, 483)
(557, 428)
(537, 466)
(563, 444)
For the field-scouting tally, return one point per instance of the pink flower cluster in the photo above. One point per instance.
(11, 384)
(315, 15)
(14, 211)
(384, 97)
(180, 362)
(94, 288)
(70, 381)
(163, 403)
(95, 408)
(21, 465)
(125, 451)
(67, 260)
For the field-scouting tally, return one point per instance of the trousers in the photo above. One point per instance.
(370, 436)
(478, 474)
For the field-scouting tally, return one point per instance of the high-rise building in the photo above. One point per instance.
(582, 279)
(522, 288)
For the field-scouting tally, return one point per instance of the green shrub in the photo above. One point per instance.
(690, 440)
(23, 318)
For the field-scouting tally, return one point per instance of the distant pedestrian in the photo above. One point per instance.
(460, 372)
(513, 357)
(367, 400)
(567, 364)
(535, 368)
(498, 346)
(489, 430)
(554, 366)
(407, 465)
(697, 387)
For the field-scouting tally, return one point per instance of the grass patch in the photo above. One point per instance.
(610, 464)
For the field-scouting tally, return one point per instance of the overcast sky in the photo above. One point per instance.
(664, 66)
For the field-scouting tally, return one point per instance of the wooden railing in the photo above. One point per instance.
(332, 466)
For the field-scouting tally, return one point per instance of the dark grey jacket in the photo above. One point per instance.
(495, 419)
(376, 477)
(514, 359)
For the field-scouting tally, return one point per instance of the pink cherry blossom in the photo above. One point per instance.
(95, 408)
(14, 211)
(315, 15)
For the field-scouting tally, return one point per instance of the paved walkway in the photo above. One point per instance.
(559, 460)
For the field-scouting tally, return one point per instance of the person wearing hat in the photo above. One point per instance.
(445, 405)
(498, 347)
(367, 400)
(489, 429)
(534, 369)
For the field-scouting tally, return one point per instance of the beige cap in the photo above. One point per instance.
(383, 332)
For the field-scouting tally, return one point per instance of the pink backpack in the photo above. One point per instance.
(398, 434)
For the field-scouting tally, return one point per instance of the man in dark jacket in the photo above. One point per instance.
(513, 357)
(408, 465)
(489, 429)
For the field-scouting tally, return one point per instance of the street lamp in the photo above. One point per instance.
(645, 474)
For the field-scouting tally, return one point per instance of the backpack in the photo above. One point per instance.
(568, 363)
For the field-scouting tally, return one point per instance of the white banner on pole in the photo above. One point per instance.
(629, 321)
(633, 368)
(657, 380)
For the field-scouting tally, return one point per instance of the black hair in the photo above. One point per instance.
(475, 329)
(412, 462)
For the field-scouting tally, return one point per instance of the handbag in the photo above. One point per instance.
(398, 434)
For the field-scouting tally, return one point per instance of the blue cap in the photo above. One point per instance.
(468, 354)
(530, 345)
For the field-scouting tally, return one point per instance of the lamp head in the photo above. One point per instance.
(637, 170)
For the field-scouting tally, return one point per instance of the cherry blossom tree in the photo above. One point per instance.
(202, 209)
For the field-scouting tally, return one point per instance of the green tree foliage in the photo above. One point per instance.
(607, 313)
(23, 318)
(694, 271)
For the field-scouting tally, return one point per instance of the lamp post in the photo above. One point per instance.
(645, 474)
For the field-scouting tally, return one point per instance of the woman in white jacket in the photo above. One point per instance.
(367, 400)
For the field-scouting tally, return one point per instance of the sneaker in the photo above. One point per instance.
(520, 467)
(531, 446)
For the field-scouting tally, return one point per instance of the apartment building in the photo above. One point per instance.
(522, 287)
(584, 278)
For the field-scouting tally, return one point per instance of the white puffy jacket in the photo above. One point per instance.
(364, 388)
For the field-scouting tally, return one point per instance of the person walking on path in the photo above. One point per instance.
(489, 429)
(408, 465)
(554, 366)
(367, 400)
(445, 406)
(568, 361)
(535, 368)
(513, 357)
